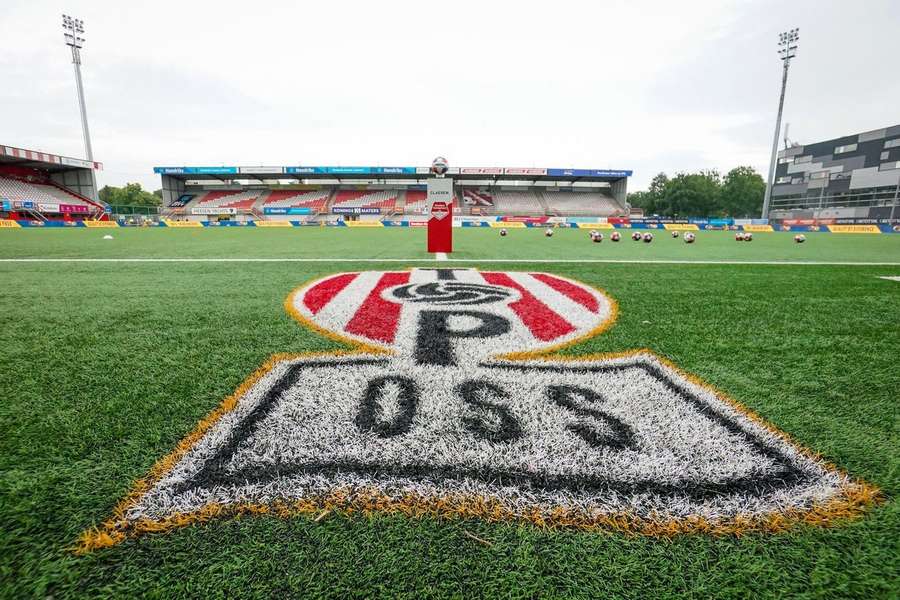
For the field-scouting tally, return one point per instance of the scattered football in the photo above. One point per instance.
(689, 238)
(799, 238)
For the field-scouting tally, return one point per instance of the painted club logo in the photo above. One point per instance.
(450, 404)
(439, 210)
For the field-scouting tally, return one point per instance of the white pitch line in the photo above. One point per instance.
(456, 260)
(889, 277)
(440, 256)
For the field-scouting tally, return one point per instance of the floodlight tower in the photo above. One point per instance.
(73, 31)
(787, 42)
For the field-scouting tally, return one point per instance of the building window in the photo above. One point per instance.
(884, 155)
(803, 159)
(892, 143)
(783, 180)
(819, 175)
(785, 160)
(847, 148)
(889, 166)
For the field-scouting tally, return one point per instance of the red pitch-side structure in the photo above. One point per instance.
(440, 209)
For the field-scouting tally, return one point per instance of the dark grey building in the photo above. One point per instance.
(856, 176)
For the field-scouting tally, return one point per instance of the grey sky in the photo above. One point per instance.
(642, 85)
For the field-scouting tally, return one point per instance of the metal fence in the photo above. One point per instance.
(125, 211)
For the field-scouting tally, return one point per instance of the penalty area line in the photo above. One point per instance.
(458, 260)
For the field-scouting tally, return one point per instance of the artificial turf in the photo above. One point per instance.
(104, 367)
(409, 243)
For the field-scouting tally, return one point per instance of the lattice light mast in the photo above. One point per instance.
(787, 49)
(73, 31)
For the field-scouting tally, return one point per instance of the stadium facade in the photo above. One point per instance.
(371, 193)
(851, 177)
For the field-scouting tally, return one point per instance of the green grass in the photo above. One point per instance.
(104, 367)
(402, 243)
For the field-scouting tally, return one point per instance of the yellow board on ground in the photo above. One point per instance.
(364, 224)
(853, 229)
(595, 226)
(272, 223)
(757, 228)
(8, 223)
(182, 223)
(681, 226)
(100, 223)
(505, 225)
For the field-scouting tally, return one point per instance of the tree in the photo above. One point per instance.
(642, 200)
(742, 192)
(658, 184)
(650, 200)
(158, 193)
(692, 195)
(130, 195)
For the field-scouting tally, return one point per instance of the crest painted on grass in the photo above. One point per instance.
(450, 404)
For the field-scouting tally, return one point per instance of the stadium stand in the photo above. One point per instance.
(478, 198)
(228, 199)
(15, 189)
(531, 202)
(386, 200)
(358, 193)
(315, 200)
(416, 201)
(516, 203)
(581, 203)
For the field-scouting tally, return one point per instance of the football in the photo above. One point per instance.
(439, 166)
(636, 236)
(799, 238)
(674, 234)
(739, 236)
(502, 233)
(648, 237)
(597, 237)
(748, 237)
(548, 232)
(614, 236)
(689, 238)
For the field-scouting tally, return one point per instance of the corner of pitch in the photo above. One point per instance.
(448, 422)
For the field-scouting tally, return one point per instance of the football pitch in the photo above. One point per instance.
(114, 350)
